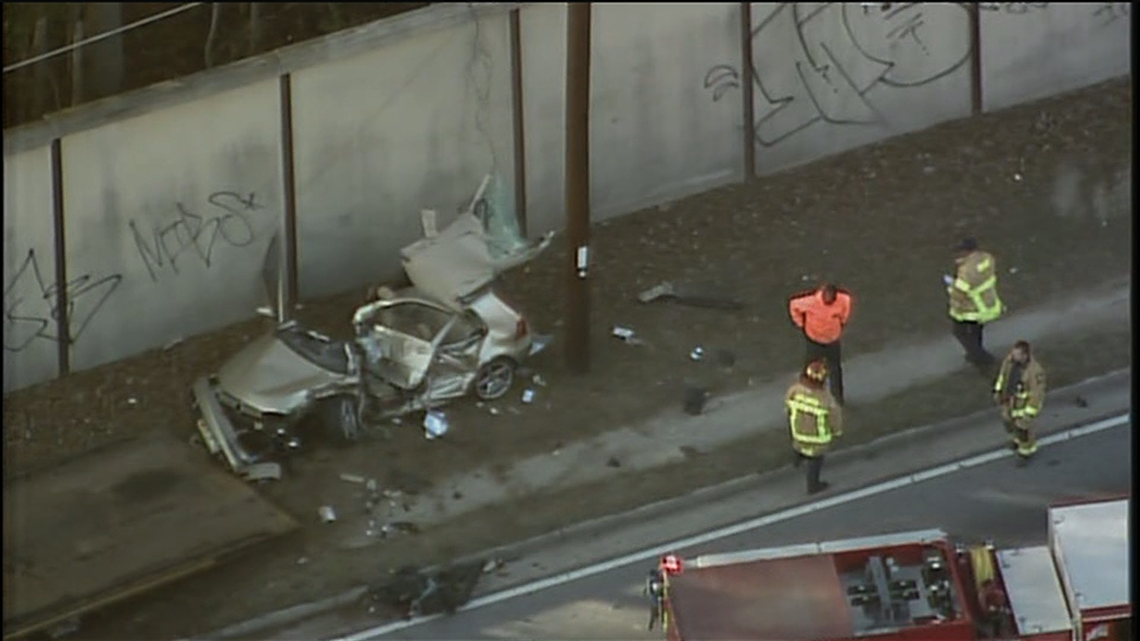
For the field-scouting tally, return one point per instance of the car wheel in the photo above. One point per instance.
(494, 379)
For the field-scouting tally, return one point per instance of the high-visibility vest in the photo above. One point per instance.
(801, 403)
(1021, 406)
(977, 281)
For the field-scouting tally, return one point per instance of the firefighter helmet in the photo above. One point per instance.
(816, 371)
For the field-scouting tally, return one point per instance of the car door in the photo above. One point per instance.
(401, 341)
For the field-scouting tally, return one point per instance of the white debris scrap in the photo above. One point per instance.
(435, 425)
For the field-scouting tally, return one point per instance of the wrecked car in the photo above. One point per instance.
(448, 335)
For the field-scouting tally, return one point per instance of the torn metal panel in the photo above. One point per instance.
(467, 255)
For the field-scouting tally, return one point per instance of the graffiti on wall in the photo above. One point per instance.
(195, 233)
(1110, 12)
(31, 305)
(1013, 8)
(816, 62)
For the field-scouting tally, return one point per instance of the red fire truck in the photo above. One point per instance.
(915, 586)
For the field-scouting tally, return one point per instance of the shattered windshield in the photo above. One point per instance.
(317, 349)
(495, 209)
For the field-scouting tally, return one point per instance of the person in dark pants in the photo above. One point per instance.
(822, 314)
(814, 418)
(655, 590)
(974, 300)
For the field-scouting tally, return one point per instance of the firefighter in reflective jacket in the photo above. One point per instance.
(814, 417)
(974, 299)
(822, 314)
(1019, 391)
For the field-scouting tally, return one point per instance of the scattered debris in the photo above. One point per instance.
(613, 462)
(528, 396)
(623, 333)
(327, 513)
(303, 560)
(435, 424)
(410, 592)
(1017, 178)
(132, 401)
(397, 527)
(668, 290)
(698, 353)
(1013, 270)
(1081, 402)
(264, 471)
(495, 411)
(515, 411)
(537, 379)
(493, 565)
(352, 478)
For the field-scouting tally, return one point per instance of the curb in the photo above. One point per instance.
(585, 529)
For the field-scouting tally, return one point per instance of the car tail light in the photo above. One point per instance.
(672, 564)
(521, 329)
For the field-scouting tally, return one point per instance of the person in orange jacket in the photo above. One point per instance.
(822, 314)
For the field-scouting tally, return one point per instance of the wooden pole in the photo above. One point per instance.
(578, 186)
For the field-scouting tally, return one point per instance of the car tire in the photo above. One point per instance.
(495, 378)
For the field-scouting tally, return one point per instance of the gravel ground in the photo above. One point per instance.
(1046, 187)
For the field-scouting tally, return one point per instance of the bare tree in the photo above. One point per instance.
(42, 75)
(254, 28)
(77, 75)
(105, 61)
(215, 10)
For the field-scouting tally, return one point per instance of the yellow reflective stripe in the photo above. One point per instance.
(810, 408)
(807, 404)
(984, 265)
(961, 285)
(999, 383)
(815, 440)
(1028, 410)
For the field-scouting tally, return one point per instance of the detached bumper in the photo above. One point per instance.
(217, 430)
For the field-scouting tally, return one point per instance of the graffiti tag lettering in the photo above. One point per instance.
(31, 310)
(1013, 8)
(196, 235)
(1110, 12)
(826, 79)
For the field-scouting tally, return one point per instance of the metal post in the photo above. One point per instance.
(519, 122)
(975, 58)
(746, 85)
(287, 295)
(63, 321)
(578, 185)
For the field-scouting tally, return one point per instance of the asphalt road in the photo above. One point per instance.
(995, 501)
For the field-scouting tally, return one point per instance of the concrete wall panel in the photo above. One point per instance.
(829, 77)
(1035, 49)
(381, 135)
(179, 206)
(656, 132)
(31, 354)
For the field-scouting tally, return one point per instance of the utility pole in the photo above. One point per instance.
(578, 186)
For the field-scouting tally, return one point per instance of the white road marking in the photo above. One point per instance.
(739, 528)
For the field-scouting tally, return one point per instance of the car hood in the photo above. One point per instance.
(271, 376)
(463, 258)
